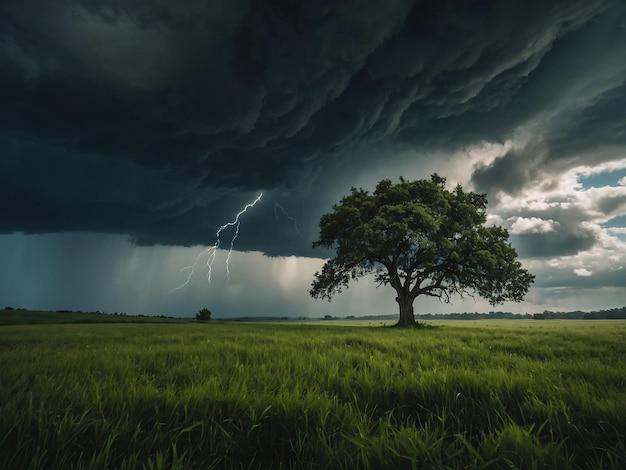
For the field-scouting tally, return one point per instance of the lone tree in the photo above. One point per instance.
(203, 315)
(422, 240)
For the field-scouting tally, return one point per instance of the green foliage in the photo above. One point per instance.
(236, 395)
(203, 315)
(421, 239)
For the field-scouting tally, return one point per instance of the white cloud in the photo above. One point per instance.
(532, 225)
(561, 203)
(494, 219)
(605, 167)
(605, 261)
(591, 276)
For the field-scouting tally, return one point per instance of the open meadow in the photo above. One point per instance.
(188, 395)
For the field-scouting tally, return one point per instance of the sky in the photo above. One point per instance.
(132, 130)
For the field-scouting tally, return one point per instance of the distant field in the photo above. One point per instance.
(28, 317)
(460, 394)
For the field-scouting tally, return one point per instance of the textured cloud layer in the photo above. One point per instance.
(161, 119)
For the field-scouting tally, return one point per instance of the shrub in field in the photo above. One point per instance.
(203, 315)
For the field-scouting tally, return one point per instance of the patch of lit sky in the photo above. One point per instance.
(616, 227)
(605, 178)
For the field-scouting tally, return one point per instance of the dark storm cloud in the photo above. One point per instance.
(601, 280)
(162, 119)
(562, 242)
(509, 173)
(571, 109)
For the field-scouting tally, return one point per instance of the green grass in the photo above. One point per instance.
(487, 394)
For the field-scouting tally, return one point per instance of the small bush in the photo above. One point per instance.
(203, 315)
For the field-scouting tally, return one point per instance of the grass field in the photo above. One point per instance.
(185, 395)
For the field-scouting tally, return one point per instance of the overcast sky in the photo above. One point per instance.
(132, 130)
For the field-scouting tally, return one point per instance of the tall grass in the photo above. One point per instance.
(281, 395)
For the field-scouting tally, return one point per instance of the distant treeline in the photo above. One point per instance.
(63, 316)
(20, 316)
(613, 314)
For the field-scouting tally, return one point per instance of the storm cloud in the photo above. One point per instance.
(136, 117)
(159, 120)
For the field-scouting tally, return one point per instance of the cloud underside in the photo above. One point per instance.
(162, 120)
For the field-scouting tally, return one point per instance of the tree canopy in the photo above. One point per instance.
(421, 239)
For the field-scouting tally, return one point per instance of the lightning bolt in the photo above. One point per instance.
(212, 250)
(236, 223)
(278, 207)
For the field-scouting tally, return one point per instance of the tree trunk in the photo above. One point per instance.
(407, 317)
